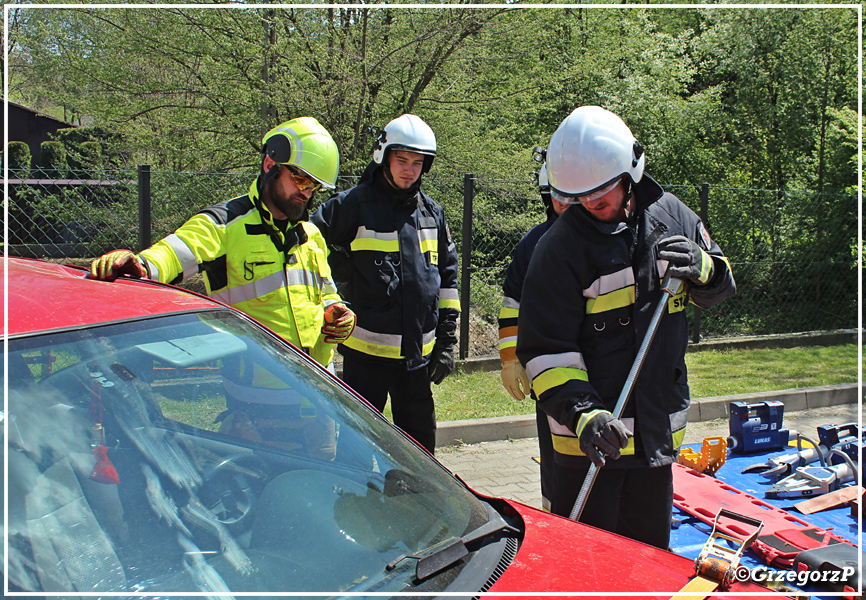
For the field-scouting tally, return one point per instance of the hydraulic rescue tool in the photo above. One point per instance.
(670, 287)
(842, 437)
(814, 481)
(848, 438)
(780, 466)
(757, 427)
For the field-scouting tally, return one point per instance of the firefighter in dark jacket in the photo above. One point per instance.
(513, 375)
(395, 263)
(592, 286)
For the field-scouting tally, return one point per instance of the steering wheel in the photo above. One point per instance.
(230, 488)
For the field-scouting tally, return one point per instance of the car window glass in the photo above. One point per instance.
(198, 453)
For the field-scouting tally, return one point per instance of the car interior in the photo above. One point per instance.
(192, 453)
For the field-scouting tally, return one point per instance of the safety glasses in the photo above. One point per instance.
(582, 199)
(302, 180)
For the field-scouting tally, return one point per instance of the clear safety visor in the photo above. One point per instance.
(583, 199)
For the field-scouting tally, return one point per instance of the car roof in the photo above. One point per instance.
(44, 296)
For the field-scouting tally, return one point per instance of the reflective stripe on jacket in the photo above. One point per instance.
(513, 285)
(587, 301)
(236, 247)
(399, 270)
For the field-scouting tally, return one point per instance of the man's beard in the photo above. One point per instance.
(293, 207)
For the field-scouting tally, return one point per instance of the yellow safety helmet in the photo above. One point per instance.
(305, 144)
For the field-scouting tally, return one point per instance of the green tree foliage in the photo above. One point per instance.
(746, 97)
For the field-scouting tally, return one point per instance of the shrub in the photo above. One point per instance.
(84, 158)
(53, 159)
(19, 159)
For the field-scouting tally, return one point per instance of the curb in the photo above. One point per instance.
(473, 431)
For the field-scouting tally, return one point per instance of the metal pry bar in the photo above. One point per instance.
(670, 287)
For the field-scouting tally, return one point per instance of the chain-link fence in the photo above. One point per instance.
(793, 254)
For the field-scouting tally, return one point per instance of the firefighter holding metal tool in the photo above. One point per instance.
(591, 290)
(395, 262)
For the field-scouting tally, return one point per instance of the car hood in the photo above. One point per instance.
(558, 555)
(45, 296)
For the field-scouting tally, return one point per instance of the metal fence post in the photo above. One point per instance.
(466, 263)
(144, 221)
(705, 196)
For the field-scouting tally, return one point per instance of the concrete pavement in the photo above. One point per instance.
(507, 466)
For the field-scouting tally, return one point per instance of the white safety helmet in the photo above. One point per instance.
(406, 132)
(591, 150)
(543, 180)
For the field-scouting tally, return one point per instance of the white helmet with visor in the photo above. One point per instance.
(589, 153)
(406, 132)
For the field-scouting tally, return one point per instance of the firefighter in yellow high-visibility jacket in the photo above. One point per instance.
(258, 252)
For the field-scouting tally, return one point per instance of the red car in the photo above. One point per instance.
(160, 442)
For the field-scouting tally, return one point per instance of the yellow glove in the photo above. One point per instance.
(109, 267)
(339, 323)
(514, 379)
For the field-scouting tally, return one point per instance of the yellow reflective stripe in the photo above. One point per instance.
(571, 445)
(386, 345)
(374, 244)
(555, 377)
(367, 239)
(610, 283)
(508, 313)
(428, 239)
(617, 299)
(539, 364)
(455, 304)
(377, 344)
(448, 298)
(586, 418)
(427, 348)
(678, 437)
(508, 342)
(679, 422)
(706, 265)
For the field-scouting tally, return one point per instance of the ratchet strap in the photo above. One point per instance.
(785, 534)
(716, 565)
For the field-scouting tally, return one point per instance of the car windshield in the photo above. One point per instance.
(199, 453)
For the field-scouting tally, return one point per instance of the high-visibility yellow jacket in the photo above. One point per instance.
(279, 278)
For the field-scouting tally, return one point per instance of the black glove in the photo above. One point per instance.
(603, 435)
(441, 362)
(687, 259)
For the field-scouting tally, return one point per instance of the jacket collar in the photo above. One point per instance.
(374, 174)
(284, 241)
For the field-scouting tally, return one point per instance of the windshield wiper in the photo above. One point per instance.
(442, 555)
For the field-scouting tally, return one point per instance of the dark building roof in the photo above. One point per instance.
(32, 127)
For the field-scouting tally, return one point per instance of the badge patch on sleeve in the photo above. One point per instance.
(708, 242)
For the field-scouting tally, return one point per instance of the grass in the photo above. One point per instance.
(711, 373)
